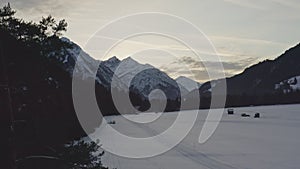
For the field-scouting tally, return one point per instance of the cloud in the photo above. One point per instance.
(231, 48)
(35, 9)
(289, 3)
(247, 40)
(175, 70)
(246, 3)
(198, 70)
(242, 31)
(237, 65)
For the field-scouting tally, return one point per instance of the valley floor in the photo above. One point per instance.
(270, 142)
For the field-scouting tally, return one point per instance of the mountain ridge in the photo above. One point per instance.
(256, 84)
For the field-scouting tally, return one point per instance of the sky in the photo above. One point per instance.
(243, 32)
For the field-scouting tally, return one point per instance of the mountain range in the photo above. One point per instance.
(129, 74)
(258, 80)
(267, 78)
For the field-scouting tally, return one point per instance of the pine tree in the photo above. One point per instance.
(7, 11)
(82, 155)
(60, 27)
(46, 25)
(6, 14)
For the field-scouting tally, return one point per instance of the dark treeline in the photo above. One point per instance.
(37, 113)
(245, 100)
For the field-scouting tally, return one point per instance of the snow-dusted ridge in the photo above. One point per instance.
(142, 78)
(129, 74)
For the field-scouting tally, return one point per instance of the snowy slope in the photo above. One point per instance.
(289, 85)
(295, 85)
(142, 78)
(188, 83)
(86, 65)
(71, 55)
(129, 74)
(271, 142)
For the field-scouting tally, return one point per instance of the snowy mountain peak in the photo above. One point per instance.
(188, 83)
(112, 63)
(135, 64)
(69, 56)
(113, 59)
(130, 60)
(143, 78)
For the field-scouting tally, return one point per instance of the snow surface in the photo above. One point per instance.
(270, 142)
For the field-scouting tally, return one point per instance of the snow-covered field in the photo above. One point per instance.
(270, 142)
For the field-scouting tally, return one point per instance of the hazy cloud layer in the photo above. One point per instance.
(197, 69)
(243, 31)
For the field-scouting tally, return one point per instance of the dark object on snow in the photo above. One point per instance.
(245, 115)
(230, 111)
(111, 122)
(257, 115)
